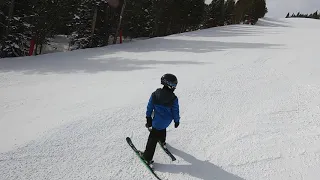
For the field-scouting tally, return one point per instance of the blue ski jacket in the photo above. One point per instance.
(164, 106)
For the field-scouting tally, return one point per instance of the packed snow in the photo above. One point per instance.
(249, 99)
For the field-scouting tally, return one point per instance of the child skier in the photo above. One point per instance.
(163, 105)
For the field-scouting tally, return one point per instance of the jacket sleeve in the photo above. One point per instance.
(176, 111)
(150, 107)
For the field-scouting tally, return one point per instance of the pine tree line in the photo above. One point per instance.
(90, 23)
(314, 15)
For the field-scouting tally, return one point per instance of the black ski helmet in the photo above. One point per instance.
(169, 80)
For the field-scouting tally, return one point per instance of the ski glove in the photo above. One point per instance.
(149, 122)
(176, 124)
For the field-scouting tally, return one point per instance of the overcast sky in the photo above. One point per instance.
(280, 8)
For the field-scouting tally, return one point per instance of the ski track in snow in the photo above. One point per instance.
(249, 99)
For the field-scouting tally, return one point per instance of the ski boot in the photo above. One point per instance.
(163, 144)
(149, 163)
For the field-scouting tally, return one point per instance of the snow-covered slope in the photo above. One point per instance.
(249, 97)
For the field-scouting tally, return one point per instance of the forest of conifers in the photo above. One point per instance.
(91, 23)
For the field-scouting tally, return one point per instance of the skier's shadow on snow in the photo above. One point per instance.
(197, 168)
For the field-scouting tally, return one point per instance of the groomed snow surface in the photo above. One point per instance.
(249, 99)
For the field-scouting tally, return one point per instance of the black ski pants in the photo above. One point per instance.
(154, 137)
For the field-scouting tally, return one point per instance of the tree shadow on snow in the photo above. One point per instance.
(197, 168)
(261, 27)
(138, 55)
(231, 31)
(193, 45)
(81, 64)
(271, 23)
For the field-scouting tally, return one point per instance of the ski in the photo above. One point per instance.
(166, 150)
(137, 153)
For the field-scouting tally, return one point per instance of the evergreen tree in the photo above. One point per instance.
(88, 22)
(48, 18)
(242, 10)
(159, 9)
(219, 12)
(288, 15)
(15, 29)
(138, 19)
(258, 10)
(229, 11)
(188, 16)
(195, 14)
(216, 14)
(314, 15)
(206, 16)
(250, 10)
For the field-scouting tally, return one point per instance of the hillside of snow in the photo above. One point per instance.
(249, 99)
